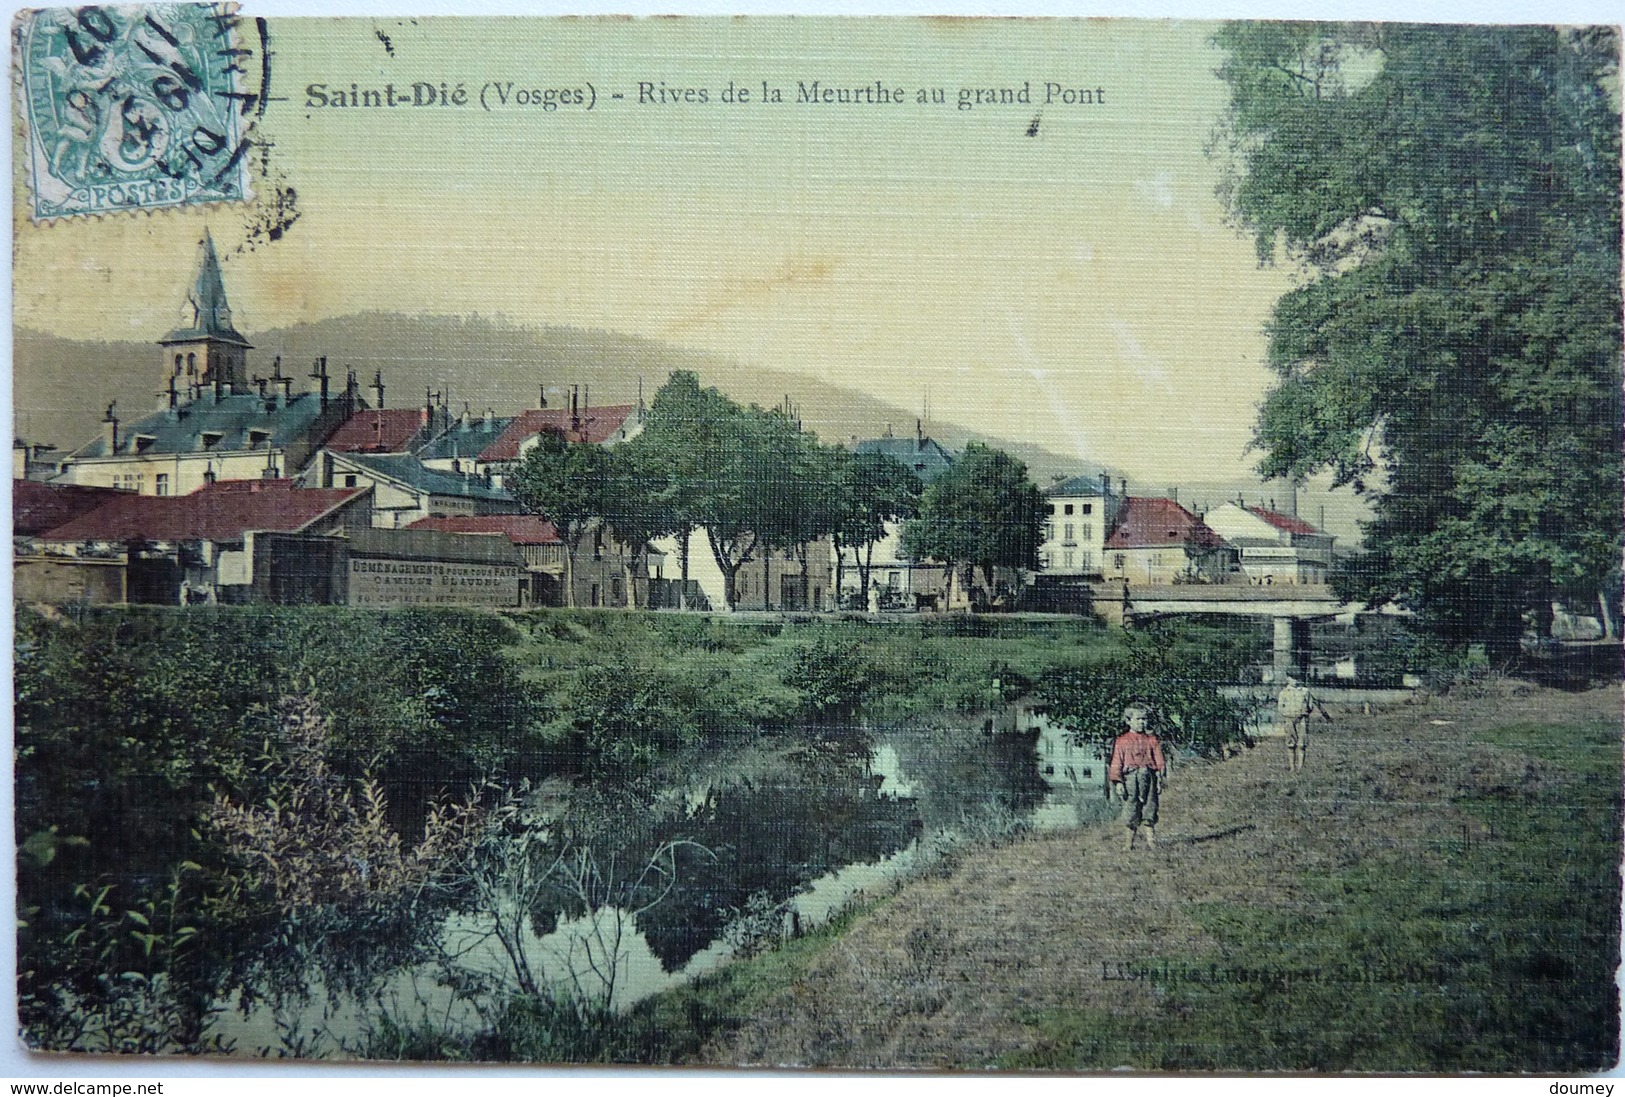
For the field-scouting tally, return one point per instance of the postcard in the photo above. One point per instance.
(1031, 545)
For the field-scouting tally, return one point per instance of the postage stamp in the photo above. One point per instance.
(132, 107)
(998, 545)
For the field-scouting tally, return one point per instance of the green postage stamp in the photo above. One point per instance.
(1025, 545)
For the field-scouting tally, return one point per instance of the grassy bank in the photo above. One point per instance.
(1438, 892)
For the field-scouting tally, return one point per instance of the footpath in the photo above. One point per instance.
(1373, 912)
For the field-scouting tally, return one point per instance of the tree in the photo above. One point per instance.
(1452, 198)
(983, 512)
(637, 511)
(571, 485)
(678, 453)
(871, 491)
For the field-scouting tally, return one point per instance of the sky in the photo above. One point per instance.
(1072, 283)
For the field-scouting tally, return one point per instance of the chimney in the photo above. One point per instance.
(586, 397)
(284, 391)
(378, 387)
(209, 475)
(575, 407)
(319, 373)
(352, 390)
(919, 434)
(217, 387)
(1105, 483)
(110, 428)
(1123, 486)
(259, 383)
(1173, 493)
(541, 397)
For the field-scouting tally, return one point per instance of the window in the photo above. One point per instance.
(1067, 559)
(209, 439)
(258, 438)
(349, 479)
(595, 595)
(1088, 531)
(1049, 531)
(160, 484)
(1043, 560)
(141, 443)
(1117, 561)
(1088, 508)
(1069, 508)
(1067, 536)
(1055, 508)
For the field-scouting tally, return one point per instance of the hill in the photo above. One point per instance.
(62, 386)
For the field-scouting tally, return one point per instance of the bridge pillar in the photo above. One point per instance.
(1291, 647)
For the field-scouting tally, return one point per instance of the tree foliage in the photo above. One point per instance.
(1451, 195)
(870, 490)
(572, 484)
(983, 511)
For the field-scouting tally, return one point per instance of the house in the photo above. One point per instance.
(33, 460)
(458, 447)
(392, 430)
(606, 574)
(200, 547)
(1158, 541)
(1274, 547)
(405, 489)
(604, 426)
(1082, 511)
(54, 578)
(214, 423)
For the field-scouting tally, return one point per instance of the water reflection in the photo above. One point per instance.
(765, 839)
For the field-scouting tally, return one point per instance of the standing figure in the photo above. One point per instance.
(1292, 709)
(1138, 772)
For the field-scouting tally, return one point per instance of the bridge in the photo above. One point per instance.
(1292, 608)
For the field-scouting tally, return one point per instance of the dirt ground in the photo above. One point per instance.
(942, 975)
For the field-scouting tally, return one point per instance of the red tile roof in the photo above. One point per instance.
(594, 425)
(1149, 523)
(373, 430)
(1288, 522)
(37, 507)
(218, 512)
(521, 529)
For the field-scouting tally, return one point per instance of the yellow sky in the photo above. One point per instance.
(1076, 287)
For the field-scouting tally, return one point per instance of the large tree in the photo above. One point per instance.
(1451, 196)
(870, 491)
(571, 484)
(983, 511)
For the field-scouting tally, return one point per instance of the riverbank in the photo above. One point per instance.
(1438, 891)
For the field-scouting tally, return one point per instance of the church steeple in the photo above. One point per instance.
(205, 348)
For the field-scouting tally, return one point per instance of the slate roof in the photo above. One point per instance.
(924, 457)
(233, 417)
(466, 438)
(1151, 523)
(377, 430)
(411, 472)
(1286, 522)
(215, 512)
(38, 506)
(595, 425)
(520, 529)
(211, 313)
(1077, 485)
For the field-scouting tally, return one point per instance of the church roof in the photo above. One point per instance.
(215, 512)
(210, 313)
(233, 419)
(922, 456)
(591, 425)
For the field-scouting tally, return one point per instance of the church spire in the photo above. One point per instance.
(205, 349)
(207, 313)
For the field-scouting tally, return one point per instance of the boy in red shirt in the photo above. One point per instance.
(1137, 771)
